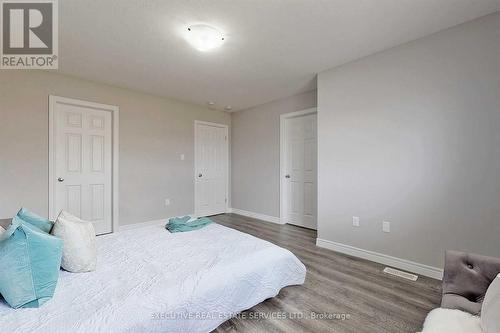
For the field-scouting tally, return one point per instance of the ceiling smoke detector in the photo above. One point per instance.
(204, 37)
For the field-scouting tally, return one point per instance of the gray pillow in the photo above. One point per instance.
(5, 223)
(490, 311)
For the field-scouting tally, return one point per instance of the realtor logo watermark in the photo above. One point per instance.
(29, 34)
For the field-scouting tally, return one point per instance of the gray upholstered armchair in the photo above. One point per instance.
(466, 279)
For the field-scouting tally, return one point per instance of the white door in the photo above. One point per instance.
(82, 157)
(300, 170)
(211, 168)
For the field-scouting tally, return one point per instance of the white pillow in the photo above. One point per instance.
(79, 248)
(2, 230)
(490, 310)
(451, 321)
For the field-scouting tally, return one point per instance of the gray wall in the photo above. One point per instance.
(412, 135)
(153, 133)
(255, 153)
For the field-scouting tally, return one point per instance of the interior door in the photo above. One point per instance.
(301, 171)
(82, 149)
(211, 168)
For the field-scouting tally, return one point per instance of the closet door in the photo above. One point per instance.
(82, 157)
(300, 171)
(211, 168)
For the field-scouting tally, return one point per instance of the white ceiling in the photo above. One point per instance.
(273, 48)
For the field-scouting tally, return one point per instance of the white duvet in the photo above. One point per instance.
(148, 280)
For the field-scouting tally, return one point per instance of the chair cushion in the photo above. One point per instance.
(29, 262)
(466, 279)
(40, 222)
(79, 250)
(490, 313)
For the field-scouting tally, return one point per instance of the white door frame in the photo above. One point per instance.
(283, 118)
(226, 128)
(115, 115)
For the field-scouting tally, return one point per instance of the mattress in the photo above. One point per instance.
(149, 280)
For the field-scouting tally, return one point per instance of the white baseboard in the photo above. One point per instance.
(406, 265)
(257, 216)
(148, 223)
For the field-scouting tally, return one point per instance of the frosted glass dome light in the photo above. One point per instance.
(204, 37)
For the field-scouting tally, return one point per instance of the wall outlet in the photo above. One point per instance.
(355, 221)
(183, 157)
(386, 226)
(167, 202)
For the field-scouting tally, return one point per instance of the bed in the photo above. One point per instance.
(149, 280)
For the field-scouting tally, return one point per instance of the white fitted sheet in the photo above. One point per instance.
(149, 280)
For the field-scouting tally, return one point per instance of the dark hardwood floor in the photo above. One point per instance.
(369, 300)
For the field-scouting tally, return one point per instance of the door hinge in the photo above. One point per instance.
(225, 138)
(225, 200)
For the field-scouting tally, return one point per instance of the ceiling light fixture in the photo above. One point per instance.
(204, 37)
(228, 108)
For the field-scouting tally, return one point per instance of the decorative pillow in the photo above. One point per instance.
(29, 265)
(451, 321)
(33, 219)
(5, 223)
(490, 311)
(79, 251)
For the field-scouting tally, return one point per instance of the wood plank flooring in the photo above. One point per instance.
(335, 284)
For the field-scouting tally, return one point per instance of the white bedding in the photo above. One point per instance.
(148, 280)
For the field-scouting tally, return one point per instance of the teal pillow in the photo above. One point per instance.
(33, 219)
(29, 265)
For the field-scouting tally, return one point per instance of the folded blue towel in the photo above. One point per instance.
(182, 224)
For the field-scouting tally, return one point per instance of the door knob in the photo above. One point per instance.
(60, 180)
(200, 175)
(287, 176)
